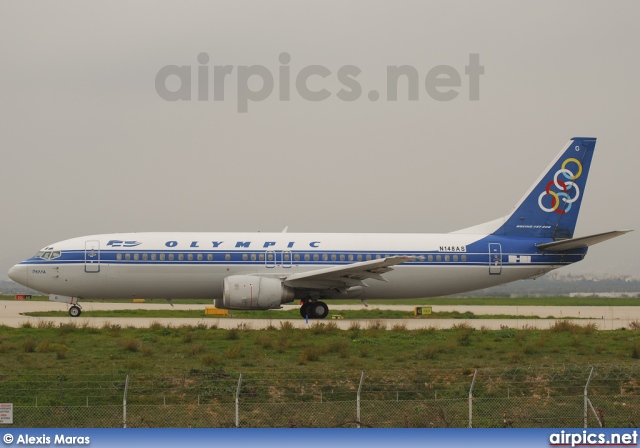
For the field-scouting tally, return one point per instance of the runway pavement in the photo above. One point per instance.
(605, 317)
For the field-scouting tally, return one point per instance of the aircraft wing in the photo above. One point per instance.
(345, 276)
(582, 242)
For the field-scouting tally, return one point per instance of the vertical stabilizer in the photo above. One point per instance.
(550, 208)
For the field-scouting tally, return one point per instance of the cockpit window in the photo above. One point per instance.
(48, 255)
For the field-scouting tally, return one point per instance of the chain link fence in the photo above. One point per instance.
(553, 396)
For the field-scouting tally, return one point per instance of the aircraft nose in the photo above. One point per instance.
(18, 274)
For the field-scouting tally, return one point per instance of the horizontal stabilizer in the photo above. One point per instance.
(580, 243)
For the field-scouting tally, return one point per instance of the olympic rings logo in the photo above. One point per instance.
(564, 187)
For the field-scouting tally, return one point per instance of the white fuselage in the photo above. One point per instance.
(194, 265)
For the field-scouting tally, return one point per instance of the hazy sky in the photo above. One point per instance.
(89, 146)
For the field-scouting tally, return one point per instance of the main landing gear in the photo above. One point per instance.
(314, 309)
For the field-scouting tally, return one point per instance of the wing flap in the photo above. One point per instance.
(580, 243)
(345, 276)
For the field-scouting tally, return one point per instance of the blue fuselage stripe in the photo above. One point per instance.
(304, 258)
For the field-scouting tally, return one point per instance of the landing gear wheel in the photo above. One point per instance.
(318, 310)
(304, 310)
(75, 311)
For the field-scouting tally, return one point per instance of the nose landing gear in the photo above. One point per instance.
(75, 309)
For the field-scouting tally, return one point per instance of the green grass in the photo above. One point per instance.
(506, 301)
(70, 364)
(112, 348)
(289, 314)
(76, 362)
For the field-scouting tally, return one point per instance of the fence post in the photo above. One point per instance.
(586, 400)
(358, 399)
(124, 403)
(238, 402)
(473, 382)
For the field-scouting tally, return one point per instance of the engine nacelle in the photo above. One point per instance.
(249, 292)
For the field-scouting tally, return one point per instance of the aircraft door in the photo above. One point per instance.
(495, 259)
(270, 259)
(92, 256)
(286, 258)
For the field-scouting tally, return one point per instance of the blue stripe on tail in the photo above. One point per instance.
(550, 209)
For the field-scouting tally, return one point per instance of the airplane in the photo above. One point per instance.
(260, 271)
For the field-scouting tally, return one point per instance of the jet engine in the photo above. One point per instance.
(248, 292)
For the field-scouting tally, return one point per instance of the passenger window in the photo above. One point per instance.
(455, 258)
(269, 257)
(253, 257)
(350, 257)
(359, 257)
(325, 257)
(334, 257)
(210, 257)
(245, 257)
(162, 256)
(227, 257)
(369, 257)
(261, 257)
(341, 257)
(296, 257)
(190, 257)
(119, 257)
(145, 257)
(170, 257)
(378, 256)
(464, 258)
(447, 258)
(307, 257)
(199, 257)
(180, 257)
(430, 258)
(315, 257)
(287, 257)
(136, 257)
(127, 256)
(153, 257)
(438, 257)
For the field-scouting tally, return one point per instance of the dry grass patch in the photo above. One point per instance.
(29, 345)
(130, 344)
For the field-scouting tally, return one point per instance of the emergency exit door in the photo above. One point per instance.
(495, 259)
